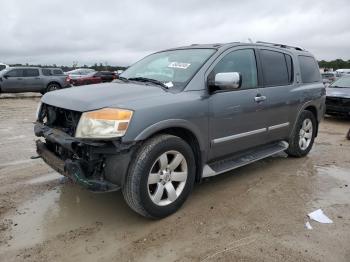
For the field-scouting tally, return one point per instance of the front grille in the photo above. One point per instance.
(60, 118)
(337, 101)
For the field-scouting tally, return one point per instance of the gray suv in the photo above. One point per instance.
(181, 115)
(32, 79)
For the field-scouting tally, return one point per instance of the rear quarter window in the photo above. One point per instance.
(46, 72)
(57, 72)
(309, 70)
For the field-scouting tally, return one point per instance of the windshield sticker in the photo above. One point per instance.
(169, 84)
(179, 65)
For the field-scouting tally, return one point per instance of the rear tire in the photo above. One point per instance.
(53, 87)
(303, 135)
(161, 176)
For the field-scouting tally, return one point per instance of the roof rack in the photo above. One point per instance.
(281, 45)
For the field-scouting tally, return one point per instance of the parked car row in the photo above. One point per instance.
(35, 79)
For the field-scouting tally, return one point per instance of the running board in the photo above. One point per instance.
(251, 156)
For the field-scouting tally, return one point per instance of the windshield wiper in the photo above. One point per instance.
(124, 79)
(150, 80)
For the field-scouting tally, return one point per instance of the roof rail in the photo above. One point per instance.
(281, 45)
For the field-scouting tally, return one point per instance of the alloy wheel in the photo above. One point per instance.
(167, 178)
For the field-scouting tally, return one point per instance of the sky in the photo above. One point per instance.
(122, 32)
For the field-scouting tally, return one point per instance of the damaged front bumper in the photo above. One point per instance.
(338, 106)
(99, 166)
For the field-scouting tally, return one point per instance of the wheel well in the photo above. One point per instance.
(313, 110)
(191, 139)
(53, 82)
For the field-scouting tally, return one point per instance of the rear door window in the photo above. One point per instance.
(31, 72)
(277, 68)
(309, 69)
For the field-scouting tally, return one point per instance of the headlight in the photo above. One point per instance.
(38, 111)
(104, 123)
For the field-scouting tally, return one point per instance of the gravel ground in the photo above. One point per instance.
(254, 213)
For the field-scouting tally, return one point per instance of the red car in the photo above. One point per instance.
(93, 78)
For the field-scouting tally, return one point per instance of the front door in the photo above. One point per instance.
(13, 81)
(236, 121)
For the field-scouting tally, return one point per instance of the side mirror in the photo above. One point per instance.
(5, 76)
(228, 81)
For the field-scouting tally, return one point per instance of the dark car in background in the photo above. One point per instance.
(338, 97)
(93, 78)
(31, 79)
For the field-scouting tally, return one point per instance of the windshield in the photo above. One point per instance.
(343, 82)
(174, 68)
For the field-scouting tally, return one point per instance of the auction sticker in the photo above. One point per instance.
(179, 65)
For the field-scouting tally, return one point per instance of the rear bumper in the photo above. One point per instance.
(99, 166)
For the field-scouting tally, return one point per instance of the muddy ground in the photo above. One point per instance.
(255, 213)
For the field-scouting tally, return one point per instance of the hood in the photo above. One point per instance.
(92, 97)
(338, 92)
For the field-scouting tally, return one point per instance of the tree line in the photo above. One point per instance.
(335, 64)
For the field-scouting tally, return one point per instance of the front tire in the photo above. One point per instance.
(160, 177)
(303, 135)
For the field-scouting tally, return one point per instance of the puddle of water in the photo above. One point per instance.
(45, 178)
(29, 221)
(18, 162)
(66, 208)
(333, 188)
(339, 173)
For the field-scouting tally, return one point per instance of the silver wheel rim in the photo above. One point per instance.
(167, 178)
(53, 87)
(305, 134)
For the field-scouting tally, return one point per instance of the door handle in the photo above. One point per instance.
(259, 98)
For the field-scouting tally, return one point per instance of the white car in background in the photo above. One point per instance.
(80, 72)
(342, 72)
(3, 66)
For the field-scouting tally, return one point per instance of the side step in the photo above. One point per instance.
(246, 158)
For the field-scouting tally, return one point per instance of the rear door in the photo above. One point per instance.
(236, 120)
(278, 84)
(13, 81)
(33, 80)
